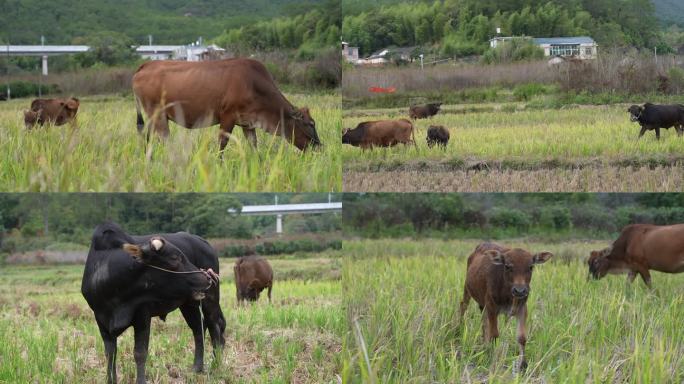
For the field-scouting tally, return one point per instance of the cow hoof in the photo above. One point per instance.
(198, 368)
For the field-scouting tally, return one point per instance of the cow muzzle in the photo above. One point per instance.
(633, 117)
(520, 292)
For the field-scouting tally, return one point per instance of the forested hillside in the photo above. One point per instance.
(670, 11)
(169, 21)
(464, 26)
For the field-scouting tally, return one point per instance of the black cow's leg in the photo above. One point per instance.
(641, 133)
(110, 353)
(141, 326)
(657, 133)
(215, 323)
(193, 317)
(680, 130)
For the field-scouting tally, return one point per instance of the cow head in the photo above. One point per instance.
(304, 133)
(69, 109)
(518, 265)
(635, 112)
(252, 291)
(30, 118)
(159, 253)
(598, 262)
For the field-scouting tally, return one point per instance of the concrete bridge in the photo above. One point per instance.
(43, 51)
(287, 209)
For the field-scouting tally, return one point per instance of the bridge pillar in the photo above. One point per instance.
(45, 65)
(279, 225)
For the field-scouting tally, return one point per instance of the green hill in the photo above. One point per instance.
(670, 11)
(169, 21)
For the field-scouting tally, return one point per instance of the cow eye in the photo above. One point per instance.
(531, 268)
(508, 267)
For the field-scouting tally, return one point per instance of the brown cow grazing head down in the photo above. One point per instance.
(639, 249)
(226, 92)
(498, 279)
(253, 274)
(55, 111)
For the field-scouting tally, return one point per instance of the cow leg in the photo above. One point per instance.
(215, 323)
(680, 130)
(110, 353)
(643, 130)
(464, 303)
(645, 275)
(250, 134)
(657, 133)
(492, 324)
(141, 326)
(631, 275)
(227, 126)
(522, 337)
(270, 287)
(193, 318)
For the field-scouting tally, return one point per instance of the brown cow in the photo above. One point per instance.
(382, 133)
(252, 275)
(424, 111)
(226, 92)
(498, 278)
(56, 111)
(640, 248)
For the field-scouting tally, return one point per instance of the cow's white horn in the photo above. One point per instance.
(157, 244)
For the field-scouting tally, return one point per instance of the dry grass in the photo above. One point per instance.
(593, 179)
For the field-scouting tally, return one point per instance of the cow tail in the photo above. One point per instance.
(138, 109)
(413, 135)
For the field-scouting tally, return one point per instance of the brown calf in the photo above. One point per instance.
(252, 275)
(56, 111)
(498, 278)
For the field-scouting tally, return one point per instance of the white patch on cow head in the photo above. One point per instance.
(157, 244)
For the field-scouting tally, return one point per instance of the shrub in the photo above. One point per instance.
(454, 45)
(555, 217)
(509, 218)
(525, 92)
(27, 89)
(513, 50)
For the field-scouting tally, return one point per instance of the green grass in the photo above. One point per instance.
(106, 154)
(49, 333)
(521, 139)
(404, 296)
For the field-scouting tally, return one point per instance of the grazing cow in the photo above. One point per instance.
(226, 92)
(382, 133)
(640, 248)
(252, 275)
(654, 117)
(130, 279)
(55, 111)
(424, 111)
(498, 278)
(437, 134)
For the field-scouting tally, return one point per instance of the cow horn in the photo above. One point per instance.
(157, 244)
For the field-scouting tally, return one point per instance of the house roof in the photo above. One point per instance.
(157, 48)
(397, 50)
(564, 40)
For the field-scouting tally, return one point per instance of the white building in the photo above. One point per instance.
(350, 54)
(581, 47)
(195, 52)
(157, 52)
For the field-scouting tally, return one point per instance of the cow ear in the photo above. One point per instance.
(72, 104)
(495, 256)
(133, 250)
(541, 257)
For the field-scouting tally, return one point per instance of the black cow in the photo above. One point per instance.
(424, 111)
(130, 279)
(437, 134)
(652, 116)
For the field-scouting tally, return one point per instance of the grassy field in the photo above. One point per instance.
(506, 148)
(106, 154)
(49, 333)
(579, 331)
